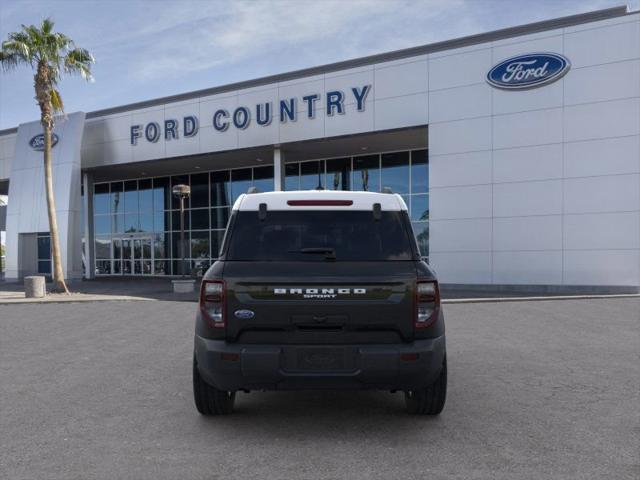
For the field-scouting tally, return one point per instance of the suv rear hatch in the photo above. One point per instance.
(320, 277)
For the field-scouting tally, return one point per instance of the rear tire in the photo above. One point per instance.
(429, 401)
(209, 400)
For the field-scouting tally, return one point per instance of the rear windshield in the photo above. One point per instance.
(319, 236)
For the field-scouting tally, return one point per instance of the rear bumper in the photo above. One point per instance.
(229, 366)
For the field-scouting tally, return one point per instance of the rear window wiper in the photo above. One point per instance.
(330, 253)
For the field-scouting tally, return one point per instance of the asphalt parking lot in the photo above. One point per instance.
(544, 389)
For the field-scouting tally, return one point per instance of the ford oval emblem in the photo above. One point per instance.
(37, 142)
(244, 314)
(528, 71)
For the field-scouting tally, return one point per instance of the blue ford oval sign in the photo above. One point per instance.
(37, 142)
(528, 71)
(244, 314)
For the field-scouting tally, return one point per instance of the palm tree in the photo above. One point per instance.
(50, 55)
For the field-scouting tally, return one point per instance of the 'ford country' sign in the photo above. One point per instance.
(37, 142)
(528, 71)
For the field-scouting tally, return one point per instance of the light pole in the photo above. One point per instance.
(182, 192)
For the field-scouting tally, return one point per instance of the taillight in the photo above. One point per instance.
(427, 302)
(212, 302)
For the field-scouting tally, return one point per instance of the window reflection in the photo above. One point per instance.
(419, 171)
(200, 190)
(292, 176)
(101, 199)
(311, 175)
(240, 182)
(395, 171)
(263, 179)
(420, 207)
(339, 174)
(421, 231)
(145, 211)
(220, 191)
(161, 194)
(366, 173)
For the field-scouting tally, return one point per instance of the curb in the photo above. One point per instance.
(45, 300)
(538, 299)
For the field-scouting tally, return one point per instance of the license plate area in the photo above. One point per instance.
(321, 359)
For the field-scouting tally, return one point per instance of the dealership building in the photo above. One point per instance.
(516, 151)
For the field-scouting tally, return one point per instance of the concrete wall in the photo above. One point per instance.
(539, 186)
(7, 152)
(27, 207)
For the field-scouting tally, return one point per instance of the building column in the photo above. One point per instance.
(87, 221)
(278, 169)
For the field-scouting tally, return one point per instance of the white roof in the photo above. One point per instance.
(360, 200)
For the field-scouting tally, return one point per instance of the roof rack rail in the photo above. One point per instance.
(387, 190)
(253, 190)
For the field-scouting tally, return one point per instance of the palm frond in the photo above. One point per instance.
(47, 26)
(19, 46)
(79, 61)
(9, 61)
(56, 101)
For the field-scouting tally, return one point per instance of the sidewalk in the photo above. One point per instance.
(103, 289)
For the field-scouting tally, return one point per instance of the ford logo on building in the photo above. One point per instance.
(528, 71)
(37, 142)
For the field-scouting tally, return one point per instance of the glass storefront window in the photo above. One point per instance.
(44, 266)
(117, 223)
(175, 220)
(421, 231)
(219, 217)
(240, 182)
(44, 253)
(200, 219)
(145, 195)
(175, 245)
(160, 245)
(102, 224)
(146, 222)
(366, 173)
(419, 171)
(312, 175)
(263, 179)
(103, 247)
(339, 174)
(161, 222)
(144, 210)
(117, 193)
(101, 199)
(420, 207)
(200, 245)
(220, 189)
(292, 176)
(131, 203)
(161, 194)
(131, 223)
(395, 171)
(200, 190)
(216, 242)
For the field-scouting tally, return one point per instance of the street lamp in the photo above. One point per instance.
(182, 192)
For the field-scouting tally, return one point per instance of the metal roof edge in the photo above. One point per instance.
(508, 32)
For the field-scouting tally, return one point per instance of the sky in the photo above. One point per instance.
(150, 49)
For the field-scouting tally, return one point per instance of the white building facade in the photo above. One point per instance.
(517, 151)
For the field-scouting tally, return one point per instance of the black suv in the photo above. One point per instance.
(319, 290)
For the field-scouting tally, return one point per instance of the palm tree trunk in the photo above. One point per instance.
(59, 284)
